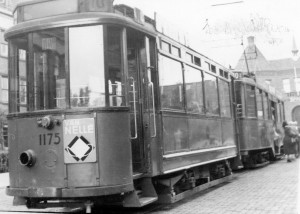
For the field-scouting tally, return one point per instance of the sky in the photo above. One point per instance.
(218, 29)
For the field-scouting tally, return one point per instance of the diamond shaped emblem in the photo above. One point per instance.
(79, 148)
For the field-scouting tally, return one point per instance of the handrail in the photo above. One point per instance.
(134, 109)
(153, 108)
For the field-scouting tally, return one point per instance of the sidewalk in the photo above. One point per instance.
(4, 180)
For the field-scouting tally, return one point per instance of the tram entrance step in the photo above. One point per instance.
(139, 198)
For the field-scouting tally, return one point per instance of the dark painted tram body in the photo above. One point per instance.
(104, 108)
(260, 114)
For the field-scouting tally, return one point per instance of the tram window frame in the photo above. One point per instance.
(18, 70)
(225, 98)
(259, 108)
(210, 100)
(253, 113)
(171, 101)
(194, 94)
(266, 108)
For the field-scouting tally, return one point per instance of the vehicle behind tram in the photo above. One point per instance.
(105, 108)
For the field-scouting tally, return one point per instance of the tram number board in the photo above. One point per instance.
(49, 139)
(95, 5)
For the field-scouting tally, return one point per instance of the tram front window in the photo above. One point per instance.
(39, 65)
(49, 69)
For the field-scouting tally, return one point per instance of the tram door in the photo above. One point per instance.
(139, 96)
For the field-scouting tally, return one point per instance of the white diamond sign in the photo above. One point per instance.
(79, 140)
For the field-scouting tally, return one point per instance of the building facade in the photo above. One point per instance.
(6, 21)
(282, 74)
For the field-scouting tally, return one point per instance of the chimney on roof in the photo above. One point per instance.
(250, 40)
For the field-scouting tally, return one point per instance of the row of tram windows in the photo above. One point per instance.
(192, 90)
(67, 67)
(256, 103)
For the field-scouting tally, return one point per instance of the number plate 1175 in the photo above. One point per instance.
(49, 139)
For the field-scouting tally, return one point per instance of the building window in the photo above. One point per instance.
(175, 51)
(165, 46)
(286, 85)
(3, 50)
(189, 57)
(213, 68)
(5, 136)
(297, 84)
(4, 89)
(207, 66)
(197, 61)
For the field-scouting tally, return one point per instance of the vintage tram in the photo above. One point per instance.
(104, 108)
(260, 114)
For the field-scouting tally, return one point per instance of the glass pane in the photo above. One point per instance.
(211, 94)
(87, 82)
(194, 90)
(259, 104)
(18, 62)
(250, 101)
(49, 69)
(115, 74)
(171, 83)
(266, 106)
(225, 98)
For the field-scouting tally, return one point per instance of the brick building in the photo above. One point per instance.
(283, 74)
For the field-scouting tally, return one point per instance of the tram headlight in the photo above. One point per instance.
(27, 158)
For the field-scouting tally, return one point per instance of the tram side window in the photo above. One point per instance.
(114, 66)
(87, 79)
(194, 90)
(250, 101)
(171, 84)
(49, 69)
(211, 94)
(18, 90)
(259, 104)
(266, 106)
(224, 89)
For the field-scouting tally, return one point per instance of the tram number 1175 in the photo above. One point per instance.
(49, 139)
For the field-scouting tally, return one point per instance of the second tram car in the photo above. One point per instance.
(260, 114)
(104, 108)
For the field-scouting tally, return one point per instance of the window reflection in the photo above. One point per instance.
(194, 90)
(211, 94)
(224, 98)
(115, 77)
(49, 69)
(171, 82)
(87, 83)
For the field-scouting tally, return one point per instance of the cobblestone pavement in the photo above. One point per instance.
(272, 189)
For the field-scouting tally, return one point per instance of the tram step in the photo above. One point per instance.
(147, 200)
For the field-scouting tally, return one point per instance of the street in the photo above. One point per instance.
(271, 189)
